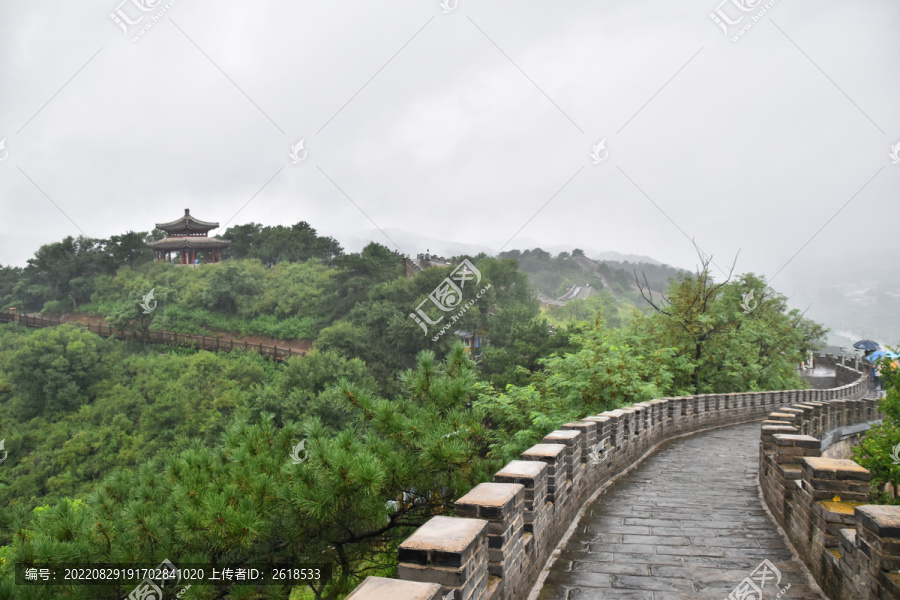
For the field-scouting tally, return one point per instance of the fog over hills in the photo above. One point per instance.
(414, 243)
(858, 299)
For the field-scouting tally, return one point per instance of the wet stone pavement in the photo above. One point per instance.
(687, 523)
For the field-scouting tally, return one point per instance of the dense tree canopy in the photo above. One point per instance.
(271, 245)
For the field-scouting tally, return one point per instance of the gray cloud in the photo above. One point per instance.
(474, 120)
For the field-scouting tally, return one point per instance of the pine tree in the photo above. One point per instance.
(354, 497)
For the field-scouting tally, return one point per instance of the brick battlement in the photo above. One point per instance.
(852, 548)
(505, 531)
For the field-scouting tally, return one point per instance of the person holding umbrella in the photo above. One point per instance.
(874, 358)
(868, 347)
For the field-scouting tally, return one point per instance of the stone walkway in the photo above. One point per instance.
(687, 523)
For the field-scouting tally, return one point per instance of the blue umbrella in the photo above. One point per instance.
(876, 356)
(866, 345)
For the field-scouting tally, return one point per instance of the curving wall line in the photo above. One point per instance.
(505, 531)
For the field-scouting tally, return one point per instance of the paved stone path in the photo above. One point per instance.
(687, 523)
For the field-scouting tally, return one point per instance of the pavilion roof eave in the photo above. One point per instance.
(187, 223)
(199, 243)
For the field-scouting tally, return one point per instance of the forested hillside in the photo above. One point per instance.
(120, 452)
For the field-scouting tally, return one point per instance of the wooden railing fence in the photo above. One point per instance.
(153, 336)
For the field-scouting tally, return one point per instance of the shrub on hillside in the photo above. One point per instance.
(882, 443)
(56, 369)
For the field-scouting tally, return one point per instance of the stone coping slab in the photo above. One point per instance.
(834, 468)
(492, 494)
(381, 588)
(562, 434)
(545, 450)
(597, 419)
(582, 424)
(800, 441)
(528, 469)
(776, 429)
(447, 534)
(883, 520)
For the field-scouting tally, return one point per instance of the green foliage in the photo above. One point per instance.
(237, 297)
(63, 272)
(307, 387)
(881, 443)
(9, 277)
(358, 274)
(726, 347)
(228, 286)
(56, 370)
(379, 330)
(526, 343)
(608, 368)
(553, 275)
(132, 407)
(355, 495)
(585, 309)
(280, 244)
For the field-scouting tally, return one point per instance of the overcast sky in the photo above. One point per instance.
(465, 125)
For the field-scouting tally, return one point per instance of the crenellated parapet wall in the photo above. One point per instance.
(504, 531)
(851, 548)
(844, 375)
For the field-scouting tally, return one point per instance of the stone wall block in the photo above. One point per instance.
(449, 551)
(502, 505)
(556, 457)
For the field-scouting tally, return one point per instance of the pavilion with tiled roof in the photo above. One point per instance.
(187, 239)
